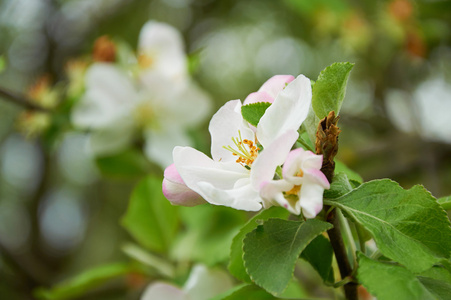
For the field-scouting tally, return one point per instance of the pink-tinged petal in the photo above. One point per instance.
(311, 199)
(163, 291)
(312, 161)
(291, 165)
(289, 110)
(317, 176)
(276, 84)
(258, 97)
(176, 191)
(173, 175)
(274, 155)
(225, 124)
(294, 164)
(180, 194)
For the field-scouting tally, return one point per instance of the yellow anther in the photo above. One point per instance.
(245, 150)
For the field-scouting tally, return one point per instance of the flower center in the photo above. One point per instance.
(246, 150)
(145, 115)
(295, 190)
(145, 61)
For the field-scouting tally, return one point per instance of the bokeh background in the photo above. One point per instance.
(60, 208)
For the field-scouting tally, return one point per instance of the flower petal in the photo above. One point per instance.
(163, 44)
(265, 164)
(242, 198)
(276, 84)
(194, 167)
(111, 80)
(272, 194)
(289, 110)
(224, 125)
(110, 140)
(258, 97)
(160, 143)
(191, 106)
(109, 96)
(176, 191)
(204, 284)
(311, 199)
(163, 291)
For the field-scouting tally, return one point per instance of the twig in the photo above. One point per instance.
(327, 145)
(21, 101)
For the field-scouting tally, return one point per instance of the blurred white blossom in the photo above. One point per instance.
(160, 100)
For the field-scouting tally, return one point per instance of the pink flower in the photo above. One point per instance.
(301, 187)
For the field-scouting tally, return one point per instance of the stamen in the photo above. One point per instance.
(245, 150)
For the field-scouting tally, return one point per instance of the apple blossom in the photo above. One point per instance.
(161, 101)
(114, 107)
(237, 169)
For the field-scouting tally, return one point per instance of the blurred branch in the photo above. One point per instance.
(31, 279)
(21, 101)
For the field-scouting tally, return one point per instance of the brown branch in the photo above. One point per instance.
(21, 101)
(327, 145)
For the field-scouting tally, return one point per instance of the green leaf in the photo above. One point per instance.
(438, 280)
(445, 202)
(319, 254)
(127, 164)
(310, 125)
(254, 292)
(352, 175)
(330, 88)
(236, 264)
(409, 226)
(150, 217)
(84, 282)
(440, 289)
(439, 272)
(272, 249)
(208, 233)
(2, 63)
(254, 111)
(389, 281)
(340, 186)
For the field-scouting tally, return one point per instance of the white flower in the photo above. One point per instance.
(302, 185)
(237, 169)
(161, 50)
(114, 107)
(162, 101)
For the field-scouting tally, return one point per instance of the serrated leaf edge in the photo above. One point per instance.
(294, 265)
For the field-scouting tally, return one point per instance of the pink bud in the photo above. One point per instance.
(176, 191)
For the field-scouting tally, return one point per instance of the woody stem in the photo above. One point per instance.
(327, 145)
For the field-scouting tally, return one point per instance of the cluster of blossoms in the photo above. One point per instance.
(149, 92)
(252, 166)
